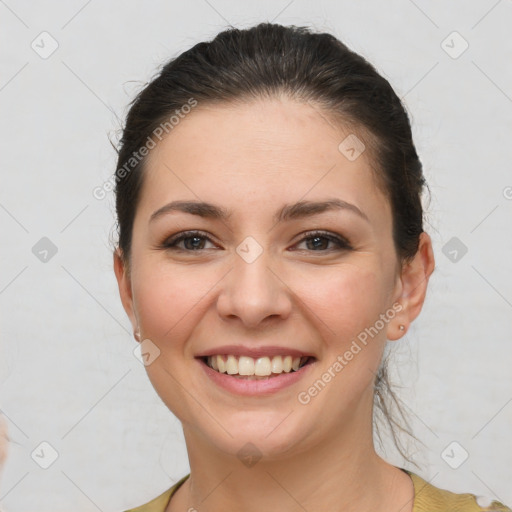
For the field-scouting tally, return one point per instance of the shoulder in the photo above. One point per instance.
(159, 504)
(428, 498)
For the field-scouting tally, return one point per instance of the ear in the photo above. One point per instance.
(125, 287)
(411, 287)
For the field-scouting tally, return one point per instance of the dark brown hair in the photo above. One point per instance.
(265, 61)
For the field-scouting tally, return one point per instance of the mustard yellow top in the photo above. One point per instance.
(427, 498)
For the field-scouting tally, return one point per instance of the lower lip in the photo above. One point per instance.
(255, 387)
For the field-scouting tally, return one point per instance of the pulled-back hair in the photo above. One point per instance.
(270, 60)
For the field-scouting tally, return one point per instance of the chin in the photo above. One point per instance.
(258, 442)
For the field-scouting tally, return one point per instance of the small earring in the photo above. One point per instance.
(401, 327)
(137, 334)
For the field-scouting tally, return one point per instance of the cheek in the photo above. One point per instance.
(166, 300)
(343, 302)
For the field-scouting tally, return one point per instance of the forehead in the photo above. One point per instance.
(260, 153)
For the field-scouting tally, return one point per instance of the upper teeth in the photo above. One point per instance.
(262, 366)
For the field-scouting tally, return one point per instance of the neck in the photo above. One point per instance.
(341, 472)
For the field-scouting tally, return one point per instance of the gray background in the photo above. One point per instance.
(67, 371)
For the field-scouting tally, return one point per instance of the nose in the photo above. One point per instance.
(254, 292)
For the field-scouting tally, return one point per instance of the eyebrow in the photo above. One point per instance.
(298, 210)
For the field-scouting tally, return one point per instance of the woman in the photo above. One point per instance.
(271, 242)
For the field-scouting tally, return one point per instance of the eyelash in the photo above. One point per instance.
(172, 242)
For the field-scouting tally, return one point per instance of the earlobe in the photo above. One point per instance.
(413, 283)
(125, 287)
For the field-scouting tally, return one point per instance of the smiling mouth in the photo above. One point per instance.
(262, 368)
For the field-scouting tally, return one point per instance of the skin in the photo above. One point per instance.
(253, 158)
(4, 442)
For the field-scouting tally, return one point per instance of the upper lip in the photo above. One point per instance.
(254, 352)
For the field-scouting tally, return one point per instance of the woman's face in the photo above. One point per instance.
(257, 280)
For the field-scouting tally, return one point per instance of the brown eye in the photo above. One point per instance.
(193, 241)
(319, 240)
